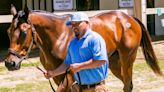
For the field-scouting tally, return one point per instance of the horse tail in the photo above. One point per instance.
(147, 49)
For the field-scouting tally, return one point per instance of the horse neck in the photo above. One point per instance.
(53, 34)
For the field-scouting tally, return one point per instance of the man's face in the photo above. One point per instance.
(77, 28)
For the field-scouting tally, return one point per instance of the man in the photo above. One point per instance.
(86, 57)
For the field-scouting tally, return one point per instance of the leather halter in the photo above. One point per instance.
(13, 52)
(33, 41)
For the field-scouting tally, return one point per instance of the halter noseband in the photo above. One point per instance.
(13, 52)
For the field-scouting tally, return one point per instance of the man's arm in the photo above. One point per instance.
(86, 65)
(60, 70)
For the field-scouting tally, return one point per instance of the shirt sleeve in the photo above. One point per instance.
(98, 48)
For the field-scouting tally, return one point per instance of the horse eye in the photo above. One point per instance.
(23, 34)
(22, 37)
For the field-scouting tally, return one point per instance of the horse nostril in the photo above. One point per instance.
(9, 64)
(12, 63)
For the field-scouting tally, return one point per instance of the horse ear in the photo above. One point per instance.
(26, 10)
(13, 10)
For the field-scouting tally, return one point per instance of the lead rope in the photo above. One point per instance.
(43, 73)
(48, 79)
(34, 40)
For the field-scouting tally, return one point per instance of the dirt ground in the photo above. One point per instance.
(139, 84)
(158, 48)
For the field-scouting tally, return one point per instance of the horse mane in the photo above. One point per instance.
(50, 14)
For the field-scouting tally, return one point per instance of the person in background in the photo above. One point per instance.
(86, 56)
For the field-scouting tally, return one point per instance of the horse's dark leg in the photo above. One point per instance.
(114, 65)
(127, 59)
(65, 85)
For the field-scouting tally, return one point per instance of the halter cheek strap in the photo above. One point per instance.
(13, 52)
(33, 41)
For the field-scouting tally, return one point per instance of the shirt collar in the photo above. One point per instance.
(86, 33)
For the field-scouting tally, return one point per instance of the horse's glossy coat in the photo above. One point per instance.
(123, 35)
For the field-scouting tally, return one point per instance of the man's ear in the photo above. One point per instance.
(13, 10)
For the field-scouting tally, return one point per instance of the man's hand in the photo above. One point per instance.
(55, 72)
(48, 74)
(75, 67)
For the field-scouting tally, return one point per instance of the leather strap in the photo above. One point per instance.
(79, 81)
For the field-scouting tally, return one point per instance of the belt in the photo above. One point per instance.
(88, 86)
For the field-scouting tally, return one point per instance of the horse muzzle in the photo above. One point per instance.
(12, 65)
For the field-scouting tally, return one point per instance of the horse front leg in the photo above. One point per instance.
(127, 60)
(66, 84)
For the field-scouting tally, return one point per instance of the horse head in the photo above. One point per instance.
(21, 38)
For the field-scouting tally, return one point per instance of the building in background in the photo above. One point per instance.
(134, 8)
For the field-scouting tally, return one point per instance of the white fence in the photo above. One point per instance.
(8, 18)
(5, 18)
(149, 11)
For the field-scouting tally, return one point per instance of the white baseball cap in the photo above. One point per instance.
(76, 17)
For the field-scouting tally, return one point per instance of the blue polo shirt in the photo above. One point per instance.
(90, 46)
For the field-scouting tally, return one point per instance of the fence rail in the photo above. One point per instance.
(154, 10)
(8, 18)
(5, 18)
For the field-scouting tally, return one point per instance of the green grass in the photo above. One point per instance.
(42, 86)
(144, 67)
(14, 78)
(140, 70)
(144, 78)
(30, 64)
(2, 67)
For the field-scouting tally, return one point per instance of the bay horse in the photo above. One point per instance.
(122, 33)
